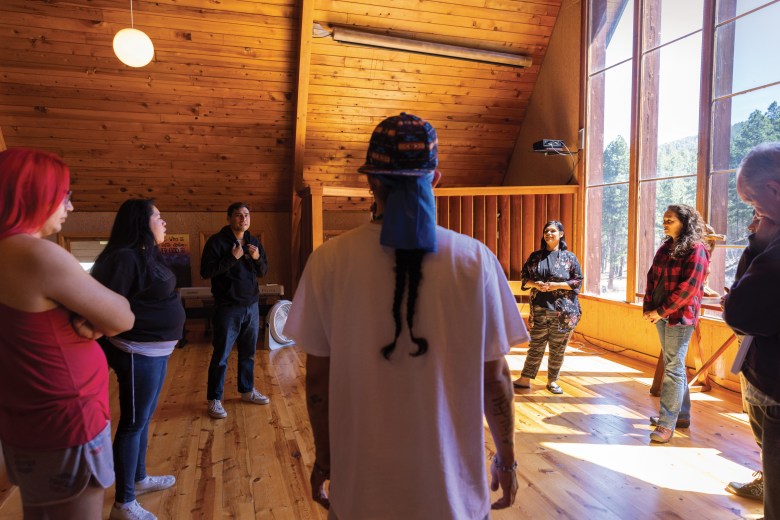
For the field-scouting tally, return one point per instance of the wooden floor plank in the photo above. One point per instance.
(583, 454)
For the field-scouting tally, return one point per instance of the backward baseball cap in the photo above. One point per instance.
(402, 145)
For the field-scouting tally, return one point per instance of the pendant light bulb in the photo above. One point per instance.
(133, 47)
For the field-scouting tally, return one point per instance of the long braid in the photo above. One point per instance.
(415, 275)
(401, 268)
(408, 263)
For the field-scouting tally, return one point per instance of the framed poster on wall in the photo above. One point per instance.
(176, 250)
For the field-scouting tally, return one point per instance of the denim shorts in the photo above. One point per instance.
(54, 477)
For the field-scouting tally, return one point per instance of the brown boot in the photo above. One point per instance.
(661, 434)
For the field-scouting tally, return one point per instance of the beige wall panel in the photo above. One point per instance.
(553, 111)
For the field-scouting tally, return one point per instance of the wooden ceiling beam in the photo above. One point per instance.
(301, 107)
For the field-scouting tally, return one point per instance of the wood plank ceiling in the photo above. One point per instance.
(212, 118)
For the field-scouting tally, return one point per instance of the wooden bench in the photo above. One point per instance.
(198, 303)
(522, 297)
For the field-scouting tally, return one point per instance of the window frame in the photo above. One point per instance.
(702, 173)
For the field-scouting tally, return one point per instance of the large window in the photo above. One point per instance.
(609, 108)
(656, 137)
(745, 110)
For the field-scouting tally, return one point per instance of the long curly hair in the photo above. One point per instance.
(691, 232)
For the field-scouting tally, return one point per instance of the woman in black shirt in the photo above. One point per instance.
(554, 276)
(132, 265)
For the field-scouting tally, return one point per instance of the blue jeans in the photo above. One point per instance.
(240, 325)
(755, 413)
(140, 381)
(675, 398)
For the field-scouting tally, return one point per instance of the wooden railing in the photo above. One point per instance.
(508, 219)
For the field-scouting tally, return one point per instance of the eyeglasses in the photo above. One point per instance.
(67, 198)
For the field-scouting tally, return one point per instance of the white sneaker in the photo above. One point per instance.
(130, 511)
(254, 397)
(150, 484)
(216, 410)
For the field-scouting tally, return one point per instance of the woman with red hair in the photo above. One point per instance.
(54, 418)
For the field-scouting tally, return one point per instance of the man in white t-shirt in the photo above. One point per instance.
(405, 326)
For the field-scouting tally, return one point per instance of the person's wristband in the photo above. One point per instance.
(500, 467)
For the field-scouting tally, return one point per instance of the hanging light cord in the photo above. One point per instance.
(131, 14)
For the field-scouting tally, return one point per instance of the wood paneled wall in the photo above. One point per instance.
(476, 108)
(213, 117)
(209, 118)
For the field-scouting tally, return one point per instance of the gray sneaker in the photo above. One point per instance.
(130, 511)
(150, 484)
(754, 489)
(254, 397)
(216, 410)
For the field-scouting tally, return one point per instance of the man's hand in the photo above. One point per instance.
(507, 480)
(651, 316)
(318, 493)
(254, 252)
(238, 251)
(84, 328)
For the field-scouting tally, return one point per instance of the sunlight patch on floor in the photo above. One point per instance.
(579, 419)
(704, 396)
(735, 416)
(663, 466)
(591, 363)
(576, 361)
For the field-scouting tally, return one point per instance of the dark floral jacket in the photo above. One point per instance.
(566, 269)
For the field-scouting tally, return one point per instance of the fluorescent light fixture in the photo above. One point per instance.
(347, 35)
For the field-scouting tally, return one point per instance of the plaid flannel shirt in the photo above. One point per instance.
(683, 283)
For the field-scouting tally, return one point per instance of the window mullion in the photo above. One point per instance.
(705, 108)
(633, 173)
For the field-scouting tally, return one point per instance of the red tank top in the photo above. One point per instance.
(53, 382)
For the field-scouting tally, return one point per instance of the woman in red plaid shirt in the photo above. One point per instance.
(675, 284)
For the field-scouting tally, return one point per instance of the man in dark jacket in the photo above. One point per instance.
(755, 488)
(233, 260)
(752, 308)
